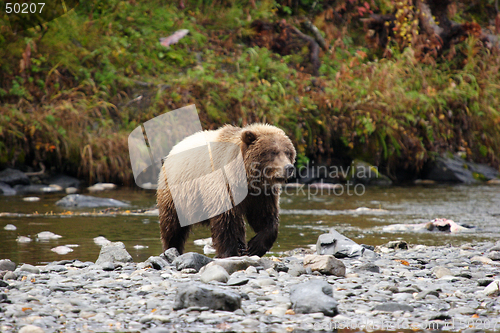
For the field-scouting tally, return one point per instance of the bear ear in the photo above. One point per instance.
(248, 137)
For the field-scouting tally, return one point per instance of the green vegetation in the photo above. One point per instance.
(68, 90)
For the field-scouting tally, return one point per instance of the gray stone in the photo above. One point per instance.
(10, 276)
(280, 267)
(71, 190)
(392, 307)
(10, 227)
(237, 281)
(205, 295)
(494, 255)
(214, 273)
(31, 329)
(107, 266)
(262, 282)
(61, 287)
(484, 282)
(493, 289)
(13, 177)
(464, 310)
(7, 265)
(369, 267)
(86, 201)
(440, 272)
(234, 264)
(30, 269)
(313, 296)
(157, 262)
(170, 255)
(325, 264)
(6, 189)
(296, 270)
(338, 245)
(402, 245)
(159, 330)
(63, 181)
(114, 252)
(191, 260)
(55, 268)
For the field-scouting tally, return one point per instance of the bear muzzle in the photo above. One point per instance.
(289, 171)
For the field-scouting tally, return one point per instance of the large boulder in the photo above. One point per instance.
(313, 296)
(86, 201)
(64, 181)
(14, 177)
(206, 296)
(336, 244)
(457, 170)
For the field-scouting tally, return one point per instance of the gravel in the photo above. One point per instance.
(420, 287)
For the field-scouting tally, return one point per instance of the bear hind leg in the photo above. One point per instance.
(173, 235)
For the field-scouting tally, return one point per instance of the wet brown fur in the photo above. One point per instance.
(264, 148)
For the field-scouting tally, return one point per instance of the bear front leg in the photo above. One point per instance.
(262, 215)
(228, 234)
(263, 240)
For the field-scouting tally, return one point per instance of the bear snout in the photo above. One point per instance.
(289, 171)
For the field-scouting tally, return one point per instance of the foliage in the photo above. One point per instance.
(72, 90)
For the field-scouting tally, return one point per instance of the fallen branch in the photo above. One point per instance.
(317, 34)
(313, 48)
(38, 173)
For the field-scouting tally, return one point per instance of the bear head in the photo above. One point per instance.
(268, 155)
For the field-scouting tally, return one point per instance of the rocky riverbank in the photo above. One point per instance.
(392, 288)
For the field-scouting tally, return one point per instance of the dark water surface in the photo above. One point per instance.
(305, 215)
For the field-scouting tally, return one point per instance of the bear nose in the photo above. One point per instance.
(289, 170)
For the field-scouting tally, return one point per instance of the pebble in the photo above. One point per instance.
(214, 273)
(31, 329)
(62, 250)
(31, 199)
(440, 272)
(23, 239)
(10, 227)
(47, 235)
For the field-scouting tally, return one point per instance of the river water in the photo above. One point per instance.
(304, 216)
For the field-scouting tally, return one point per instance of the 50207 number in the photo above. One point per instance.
(24, 8)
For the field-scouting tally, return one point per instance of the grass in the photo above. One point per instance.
(67, 89)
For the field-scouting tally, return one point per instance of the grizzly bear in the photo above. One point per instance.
(268, 156)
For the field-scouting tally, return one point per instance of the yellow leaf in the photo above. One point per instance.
(404, 262)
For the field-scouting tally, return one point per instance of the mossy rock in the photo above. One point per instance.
(365, 173)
